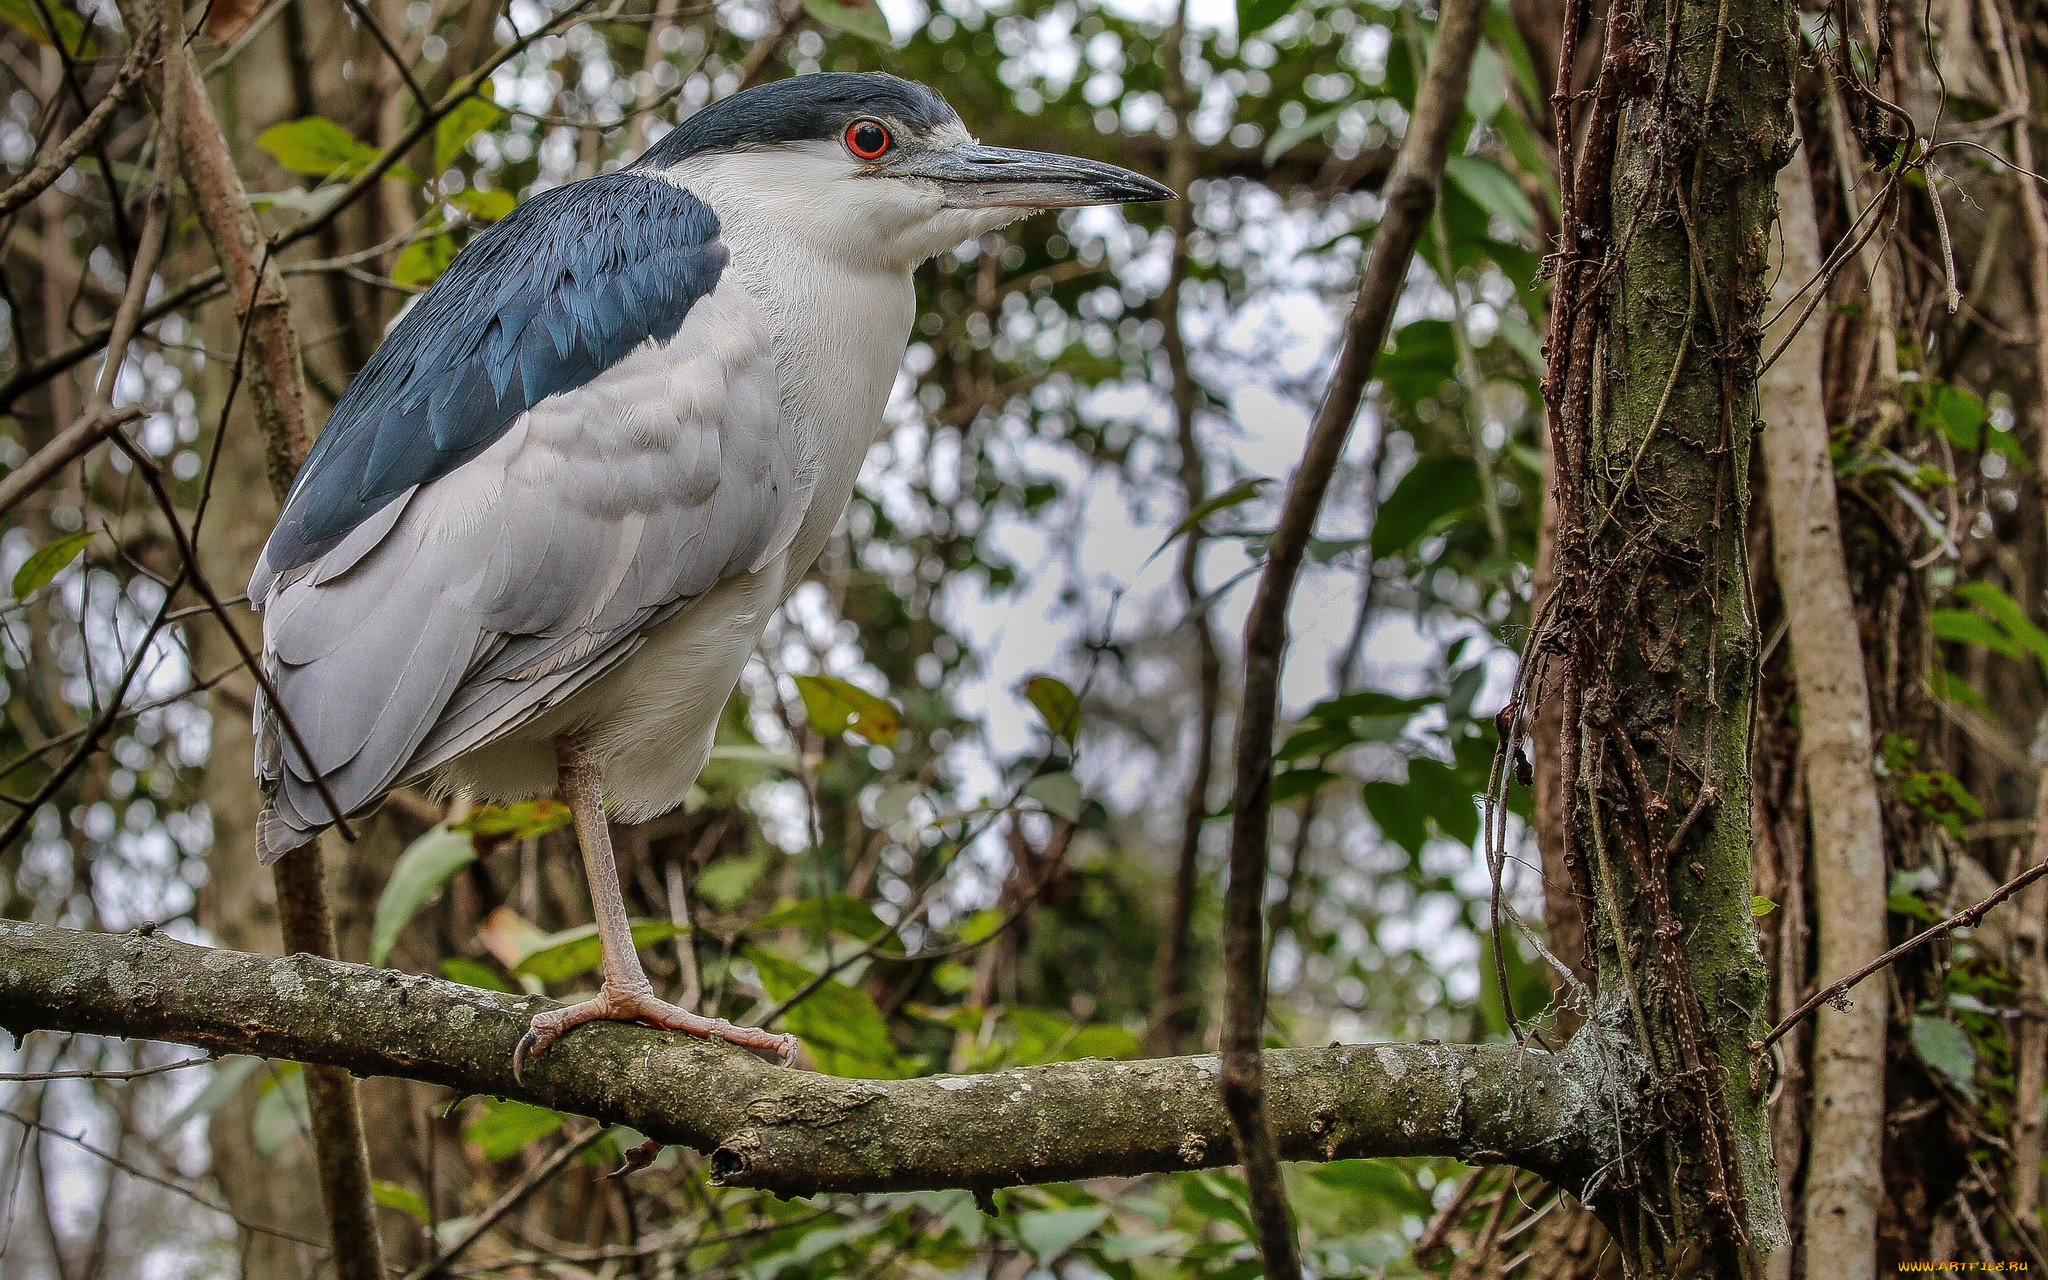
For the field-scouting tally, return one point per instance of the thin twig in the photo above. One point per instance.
(72, 443)
(363, 14)
(16, 1077)
(133, 1171)
(1963, 919)
(66, 153)
(515, 1195)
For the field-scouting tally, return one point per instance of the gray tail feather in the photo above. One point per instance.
(275, 837)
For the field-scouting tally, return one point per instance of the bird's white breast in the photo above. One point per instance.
(838, 327)
(840, 320)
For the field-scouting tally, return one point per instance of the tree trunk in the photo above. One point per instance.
(1846, 1139)
(1654, 362)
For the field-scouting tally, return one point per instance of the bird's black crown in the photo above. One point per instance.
(799, 109)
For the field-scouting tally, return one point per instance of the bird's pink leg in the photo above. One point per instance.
(627, 995)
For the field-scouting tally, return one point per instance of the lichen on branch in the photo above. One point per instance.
(799, 1133)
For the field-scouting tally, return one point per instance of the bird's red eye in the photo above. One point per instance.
(867, 139)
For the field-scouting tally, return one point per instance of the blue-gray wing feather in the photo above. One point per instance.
(504, 577)
(539, 304)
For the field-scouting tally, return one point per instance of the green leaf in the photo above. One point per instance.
(1493, 189)
(862, 18)
(319, 148)
(1060, 793)
(297, 199)
(1046, 1234)
(839, 912)
(519, 821)
(1446, 796)
(753, 753)
(229, 1075)
(1287, 139)
(2006, 611)
(506, 1126)
(1236, 495)
(1395, 812)
(1465, 687)
(1100, 1040)
(979, 925)
(1964, 627)
(470, 117)
(1506, 39)
(2007, 445)
(427, 864)
(1433, 490)
(729, 882)
(486, 206)
(392, 1195)
(835, 707)
(1959, 414)
(1219, 1197)
(281, 1112)
(1950, 687)
(1486, 85)
(1938, 797)
(25, 16)
(1385, 1181)
(1911, 906)
(1043, 1037)
(561, 956)
(1057, 704)
(48, 561)
(1947, 1048)
(1295, 783)
(423, 261)
(1423, 361)
(470, 973)
(1124, 1248)
(1254, 16)
(837, 1023)
(1369, 704)
(1529, 984)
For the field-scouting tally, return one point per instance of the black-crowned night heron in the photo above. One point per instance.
(547, 524)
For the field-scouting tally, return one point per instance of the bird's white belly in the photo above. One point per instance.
(650, 720)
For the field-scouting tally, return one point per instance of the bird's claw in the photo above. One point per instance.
(629, 1006)
(531, 1045)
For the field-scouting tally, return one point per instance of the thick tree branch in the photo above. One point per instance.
(1411, 196)
(797, 1133)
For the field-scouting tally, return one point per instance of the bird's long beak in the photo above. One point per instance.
(978, 177)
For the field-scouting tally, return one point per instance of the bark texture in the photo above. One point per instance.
(797, 1133)
(1654, 363)
(1844, 1183)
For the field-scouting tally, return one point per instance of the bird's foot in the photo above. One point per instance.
(613, 1005)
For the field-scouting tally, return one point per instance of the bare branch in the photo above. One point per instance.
(391, 51)
(1963, 919)
(17, 1077)
(515, 1195)
(66, 153)
(1411, 195)
(796, 1133)
(72, 443)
